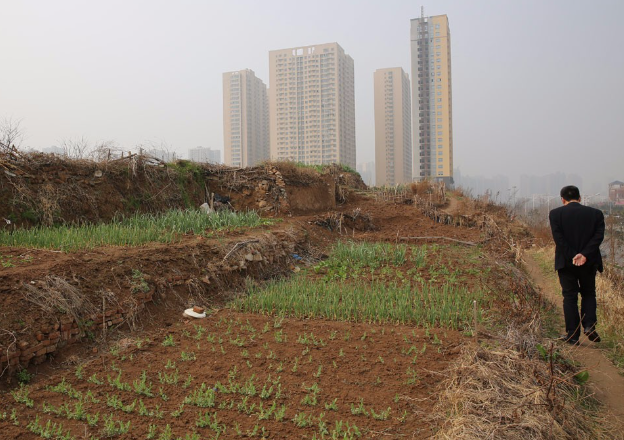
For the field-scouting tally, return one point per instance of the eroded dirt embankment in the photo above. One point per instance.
(47, 189)
(60, 298)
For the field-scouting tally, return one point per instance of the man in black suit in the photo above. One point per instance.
(578, 231)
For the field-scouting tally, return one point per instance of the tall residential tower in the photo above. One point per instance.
(312, 102)
(245, 119)
(393, 133)
(432, 120)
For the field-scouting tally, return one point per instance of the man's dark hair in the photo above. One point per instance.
(570, 192)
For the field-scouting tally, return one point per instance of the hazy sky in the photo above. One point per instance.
(538, 85)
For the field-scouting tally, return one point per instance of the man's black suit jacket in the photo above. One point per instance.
(577, 229)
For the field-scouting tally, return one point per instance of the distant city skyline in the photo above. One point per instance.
(502, 187)
(521, 93)
(204, 155)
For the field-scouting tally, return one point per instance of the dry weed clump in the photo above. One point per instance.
(55, 295)
(421, 188)
(503, 393)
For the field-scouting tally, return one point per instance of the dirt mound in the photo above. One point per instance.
(48, 189)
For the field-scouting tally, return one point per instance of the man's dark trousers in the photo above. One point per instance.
(575, 280)
(577, 229)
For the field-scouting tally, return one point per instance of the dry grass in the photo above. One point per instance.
(610, 293)
(506, 393)
(421, 188)
(54, 295)
(610, 296)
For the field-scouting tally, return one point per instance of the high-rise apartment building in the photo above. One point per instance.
(245, 119)
(393, 122)
(312, 102)
(432, 120)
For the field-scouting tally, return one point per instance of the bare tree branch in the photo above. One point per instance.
(11, 134)
(75, 148)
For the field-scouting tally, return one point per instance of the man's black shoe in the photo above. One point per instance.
(569, 339)
(592, 335)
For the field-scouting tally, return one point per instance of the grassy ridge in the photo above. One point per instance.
(131, 231)
(446, 306)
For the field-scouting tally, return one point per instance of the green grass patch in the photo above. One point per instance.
(348, 259)
(322, 169)
(448, 306)
(131, 231)
(368, 254)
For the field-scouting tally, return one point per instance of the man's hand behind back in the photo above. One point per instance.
(579, 260)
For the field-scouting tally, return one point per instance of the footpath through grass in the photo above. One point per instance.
(610, 304)
(136, 230)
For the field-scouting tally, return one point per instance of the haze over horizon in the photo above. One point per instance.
(537, 86)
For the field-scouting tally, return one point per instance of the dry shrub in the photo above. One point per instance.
(421, 188)
(54, 296)
(414, 187)
(503, 393)
(542, 233)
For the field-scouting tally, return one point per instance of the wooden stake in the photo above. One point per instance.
(103, 317)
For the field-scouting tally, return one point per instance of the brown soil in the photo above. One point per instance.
(605, 380)
(382, 367)
(377, 366)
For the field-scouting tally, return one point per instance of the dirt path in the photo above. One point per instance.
(604, 378)
(453, 206)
